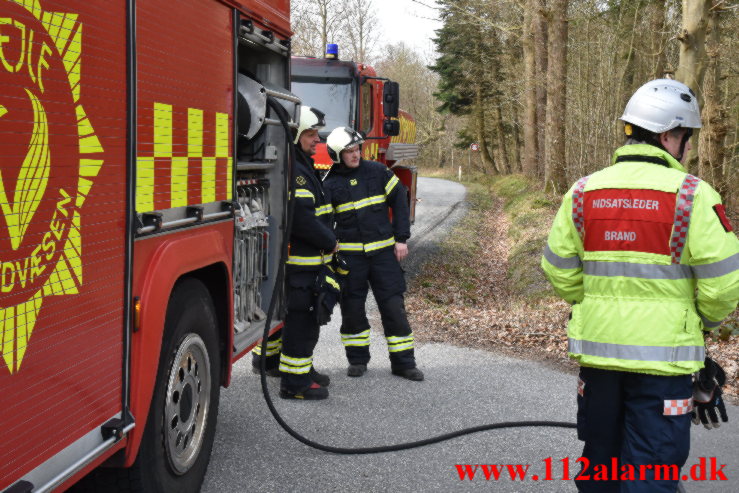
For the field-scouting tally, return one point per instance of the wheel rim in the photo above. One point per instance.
(187, 403)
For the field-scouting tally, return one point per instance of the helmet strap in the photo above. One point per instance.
(686, 136)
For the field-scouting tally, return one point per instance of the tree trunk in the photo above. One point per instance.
(488, 162)
(692, 66)
(555, 179)
(504, 167)
(625, 61)
(711, 148)
(515, 135)
(540, 44)
(693, 44)
(657, 57)
(323, 15)
(529, 62)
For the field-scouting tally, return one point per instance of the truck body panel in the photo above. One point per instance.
(116, 114)
(62, 191)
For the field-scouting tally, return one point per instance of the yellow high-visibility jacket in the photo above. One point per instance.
(646, 255)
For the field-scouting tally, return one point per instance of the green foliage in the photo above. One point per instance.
(455, 86)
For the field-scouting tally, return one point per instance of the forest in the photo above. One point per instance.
(539, 85)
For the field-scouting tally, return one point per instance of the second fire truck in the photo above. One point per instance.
(353, 95)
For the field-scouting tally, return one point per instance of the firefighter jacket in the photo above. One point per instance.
(311, 239)
(646, 255)
(360, 198)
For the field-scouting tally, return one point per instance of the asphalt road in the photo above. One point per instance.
(463, 388)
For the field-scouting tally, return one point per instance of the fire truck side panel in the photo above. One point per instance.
(185, 101)
(184, 159)
(155, 274)
(62, 216)
(273, 15)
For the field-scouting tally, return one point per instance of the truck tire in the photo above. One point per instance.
(178, 438)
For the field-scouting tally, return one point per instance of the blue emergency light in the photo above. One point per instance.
(332, 51)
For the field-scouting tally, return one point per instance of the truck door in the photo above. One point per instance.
(62, 236)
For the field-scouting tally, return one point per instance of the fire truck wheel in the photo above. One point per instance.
(179, 433)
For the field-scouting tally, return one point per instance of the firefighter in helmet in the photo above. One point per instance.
(645, 254)
(362, 193)
(312, 243)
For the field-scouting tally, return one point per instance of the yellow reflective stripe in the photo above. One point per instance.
(294, 370)
(271, 351)
(296, 366)
(398, 339)
(179, 170)
(356, 340)
(396, 344)
(324, 209)
(345, 207)
(400, 347)
(333, 283)
(369, 247)
(145, 183)
(304, 193)
(391, 184)
(298, 260)
(351, 247)
(273, 347)
(295, 361)
(163, 127)
(375, 199)
(275, 343)
(222, 151)
(162, 149)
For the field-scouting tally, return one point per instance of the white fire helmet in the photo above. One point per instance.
(661, 105)
(310, 119)
(342, 138)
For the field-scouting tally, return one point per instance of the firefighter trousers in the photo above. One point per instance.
(381, 272)
(300, 332)
(274, 346)
(632, 419)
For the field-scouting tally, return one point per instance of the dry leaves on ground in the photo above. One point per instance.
(477, 310)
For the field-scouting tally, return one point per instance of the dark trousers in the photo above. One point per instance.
(274, 347)
(625, 416)
(301, 329)
(383, 274)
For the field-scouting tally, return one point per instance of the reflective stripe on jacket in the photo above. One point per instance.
(361, 198)
(643, 252)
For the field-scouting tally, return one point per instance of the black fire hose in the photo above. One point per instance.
(282, 115)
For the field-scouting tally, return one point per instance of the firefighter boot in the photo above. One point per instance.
(319, 378)
(410, 374)
(273, 362)
(356, 370)
(313, 392)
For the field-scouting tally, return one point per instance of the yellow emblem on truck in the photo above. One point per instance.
(32, 181)
(44, 179)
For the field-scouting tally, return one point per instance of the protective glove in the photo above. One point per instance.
(707, 392)
(339, 265)
(328, 294)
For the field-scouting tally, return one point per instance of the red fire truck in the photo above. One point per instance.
(143, 192)
(352, 95)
